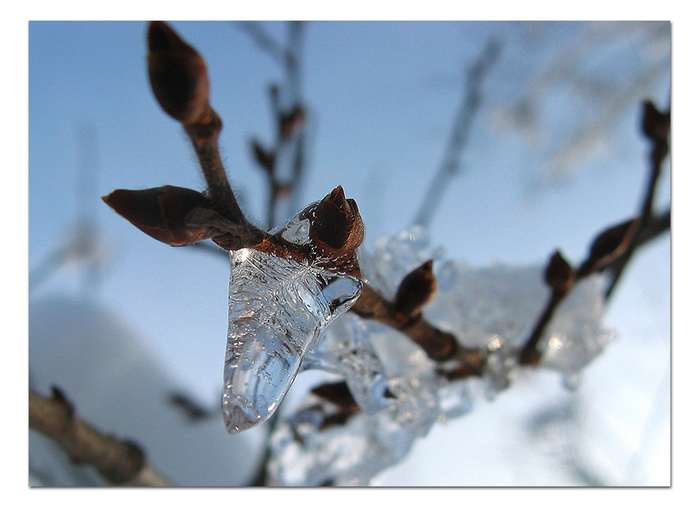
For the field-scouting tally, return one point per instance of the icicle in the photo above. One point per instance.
(278, 309)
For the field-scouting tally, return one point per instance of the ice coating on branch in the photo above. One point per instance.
(347, 351)
(488, 306)
(345, 455)
(492, 308)
(393, 257)
(278, 308)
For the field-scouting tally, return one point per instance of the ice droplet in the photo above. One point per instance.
(278, 309)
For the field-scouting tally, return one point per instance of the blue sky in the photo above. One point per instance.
(382, 97)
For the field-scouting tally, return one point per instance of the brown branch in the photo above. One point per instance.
(439, 345)
(614, 248)
(119, 462)
(656, 128)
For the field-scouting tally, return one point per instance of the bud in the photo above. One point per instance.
(163, 213)
(655, 124)
(266, 159)
(336, 222)
(416, 290)
(559, 275)
(337, 393)
(178, 75)
(292, 122)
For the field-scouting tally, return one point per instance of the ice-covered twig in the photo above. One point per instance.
(439, 345)
(119, 462)
(561, 278)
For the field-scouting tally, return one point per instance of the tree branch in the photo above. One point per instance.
(459, 136)
(119, 462)
(656, 128)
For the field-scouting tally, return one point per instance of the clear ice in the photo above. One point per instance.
(278, 309)
(348, 352)
(396, 384)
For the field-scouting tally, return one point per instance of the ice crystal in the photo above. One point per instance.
(278, 308)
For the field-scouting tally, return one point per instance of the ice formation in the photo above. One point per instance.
(395, 383)
(278, 308)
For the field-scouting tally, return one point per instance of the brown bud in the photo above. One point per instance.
(178, 75)
(559, 274)
(59, 397)
(416, 290)
(189, 407)
(336, 222)
(292, 122)
(163, 212)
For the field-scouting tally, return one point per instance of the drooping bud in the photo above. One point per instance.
(416, 290)
(163, 213)
(178, 75)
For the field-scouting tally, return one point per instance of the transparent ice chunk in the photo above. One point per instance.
(395, 256)
(347, 351)
(278, 309)
(479, 304)
(347, 455)
(575, 335)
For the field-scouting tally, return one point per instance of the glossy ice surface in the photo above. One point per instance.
(278, 309)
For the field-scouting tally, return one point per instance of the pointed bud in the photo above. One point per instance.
(178, 75)
(559, 275)
(416, 290)
(336, 222)
(163, 213)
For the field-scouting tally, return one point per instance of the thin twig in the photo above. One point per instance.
(290, 144)
(656, 127)
(264, 40)
(439, 345)
(119, 462)
(459, 136)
